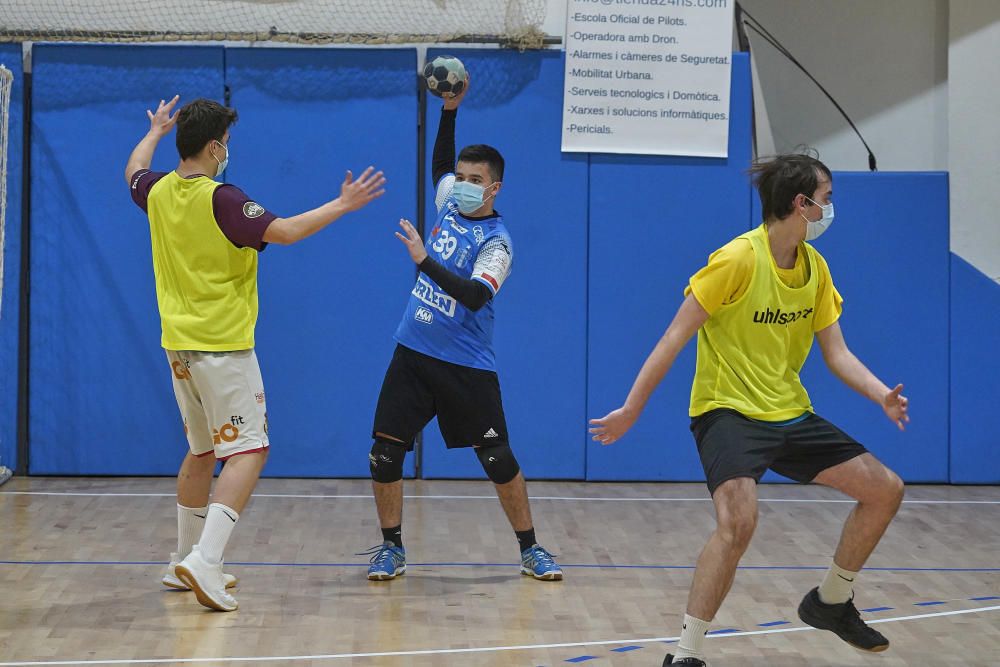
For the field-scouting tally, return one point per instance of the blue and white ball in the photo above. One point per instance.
(445, 76)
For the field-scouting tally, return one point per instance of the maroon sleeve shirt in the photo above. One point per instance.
(241, 219)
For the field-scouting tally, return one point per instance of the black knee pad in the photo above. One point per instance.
(499, 463)
(386, 460)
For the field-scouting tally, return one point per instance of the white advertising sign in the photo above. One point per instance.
(648, 77)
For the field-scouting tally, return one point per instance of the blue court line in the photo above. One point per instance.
(726, 631)
(776, 568)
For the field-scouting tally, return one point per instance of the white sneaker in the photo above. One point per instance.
(171, 581)
(206, 580)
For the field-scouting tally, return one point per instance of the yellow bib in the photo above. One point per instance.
(206, 287)
(750, 351)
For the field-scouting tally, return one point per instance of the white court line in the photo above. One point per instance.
(347, 496)
(484, 649)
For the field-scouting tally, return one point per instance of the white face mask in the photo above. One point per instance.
(815, 228)
(224, 163)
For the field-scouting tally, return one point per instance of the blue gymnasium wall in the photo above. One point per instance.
(10, 55)
(653, 223)
(515, 105)
(888, 254)
(101, 399)
(975, 367)
(574, 323)
(304, 120)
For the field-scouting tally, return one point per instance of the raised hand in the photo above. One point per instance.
(355, 194)
(161, 122)
(414, 244)
(453, 102)
(896, 406)
(612, 426)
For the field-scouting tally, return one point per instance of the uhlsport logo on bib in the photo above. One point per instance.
(769, 316)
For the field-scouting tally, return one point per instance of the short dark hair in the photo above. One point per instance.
(484, 154)
(781, 178)
(199, 122)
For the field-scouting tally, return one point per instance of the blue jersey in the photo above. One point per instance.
(435, 323)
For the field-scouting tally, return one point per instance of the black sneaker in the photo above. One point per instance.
(843, 620)
(684, 662)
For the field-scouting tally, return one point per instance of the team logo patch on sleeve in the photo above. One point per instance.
(253, 210)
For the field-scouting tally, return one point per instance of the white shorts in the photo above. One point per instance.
(221, 399)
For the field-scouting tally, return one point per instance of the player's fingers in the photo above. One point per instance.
(150, 114)
(897, 390)
(401, 237)
(348, 177)
(378, 194)
(174, 101)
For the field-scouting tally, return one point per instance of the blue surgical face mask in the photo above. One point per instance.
(815, 228)
(224, 163)
(468, 196)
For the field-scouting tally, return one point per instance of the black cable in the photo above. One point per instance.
(758, 28)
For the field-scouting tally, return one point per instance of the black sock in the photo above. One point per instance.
(394, 535)
(526, 538)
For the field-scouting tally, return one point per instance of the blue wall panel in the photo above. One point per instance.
(888, 253)
(975, 367)
(515, 104)
(10, 56)
(101, 398)
(328, 305)
(653, 223)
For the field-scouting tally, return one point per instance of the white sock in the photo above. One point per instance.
(190, 522)
(692, 637)
(837, 585)
(218, 527)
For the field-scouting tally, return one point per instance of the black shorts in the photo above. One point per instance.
(731, 445)
(466, 401)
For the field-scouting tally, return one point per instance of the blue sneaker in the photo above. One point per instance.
(388, 561)
(537, 562)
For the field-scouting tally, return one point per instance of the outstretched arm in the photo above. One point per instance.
(842, 362)
(354, 194)
(443, 157)
(689, 318)
(160, 125)
(470, 293)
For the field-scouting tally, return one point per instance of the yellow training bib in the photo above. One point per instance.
(750, 351)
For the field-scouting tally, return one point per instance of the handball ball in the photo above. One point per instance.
(445, 76)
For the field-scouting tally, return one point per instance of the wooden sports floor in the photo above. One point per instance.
(80, 562)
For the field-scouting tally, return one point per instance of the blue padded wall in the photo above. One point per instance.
(329, 304)
(101, 398)
(653, 223)
(10, 55)
(975, 367)
(515, 104)
(888, 254)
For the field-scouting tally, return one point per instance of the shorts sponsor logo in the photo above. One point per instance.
(769, 316)
(181, 370)
(228, 432)
(253, 210)
(260, 397)
(423, 316)
(440, 301)
(491, 434)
